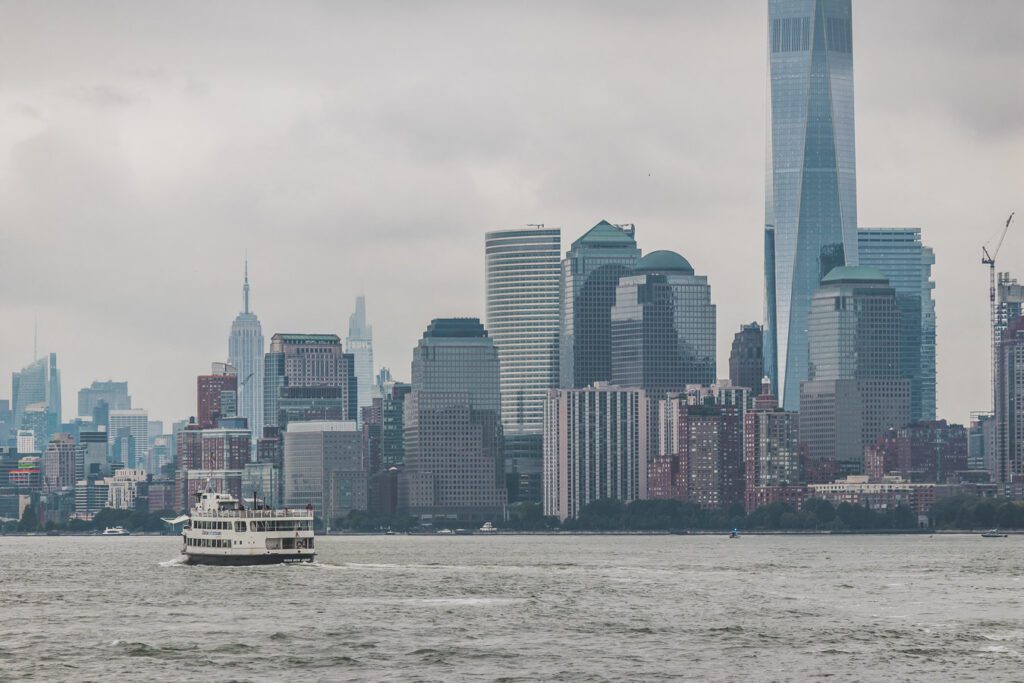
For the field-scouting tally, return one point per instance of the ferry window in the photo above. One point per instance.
(288, 543)
(239, 526)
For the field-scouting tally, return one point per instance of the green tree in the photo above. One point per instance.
(29, 519)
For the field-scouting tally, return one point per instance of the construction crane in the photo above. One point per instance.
(990, 261)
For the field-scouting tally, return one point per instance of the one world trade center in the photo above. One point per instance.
(810, 183)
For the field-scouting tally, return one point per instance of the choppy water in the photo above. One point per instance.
(519, 608)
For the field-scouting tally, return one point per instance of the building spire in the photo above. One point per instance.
(245, 287)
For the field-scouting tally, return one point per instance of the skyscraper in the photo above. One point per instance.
(359, 343)
(856, 390)
(323, 467)
(746, 359)
(114, 393)
(662, 326)
(129, 424)
(59, 462)
(37, 383)
(810, 183)
(1009, 422)
(453, 438)
(590, 275)
(308, 377)
(595, 447)
(522, 268)
(245, 352)
(907, 263)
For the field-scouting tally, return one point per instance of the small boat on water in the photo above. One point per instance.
(735, 533)
(445, 532)
(221, 531)
(488, 528)
(993, 533)
(116, 531)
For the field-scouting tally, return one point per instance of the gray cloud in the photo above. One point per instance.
(367, 147)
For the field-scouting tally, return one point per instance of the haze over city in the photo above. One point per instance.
(366, 149)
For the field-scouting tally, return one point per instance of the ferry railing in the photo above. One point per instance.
(257, 514)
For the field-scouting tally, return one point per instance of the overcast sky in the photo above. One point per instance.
(366, 147)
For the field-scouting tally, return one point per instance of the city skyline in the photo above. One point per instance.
(676, 198)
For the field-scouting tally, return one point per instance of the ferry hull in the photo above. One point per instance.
(247, 560)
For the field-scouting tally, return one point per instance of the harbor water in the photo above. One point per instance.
(519, 608)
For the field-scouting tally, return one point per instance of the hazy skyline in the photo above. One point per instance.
(366, 149)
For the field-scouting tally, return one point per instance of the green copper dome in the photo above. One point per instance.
(664, 261)
(855, 275)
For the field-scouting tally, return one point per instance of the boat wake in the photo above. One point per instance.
(176, 562)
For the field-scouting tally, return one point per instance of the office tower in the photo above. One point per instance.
(662, 326)
(746, 359)
(92, 457)
(1009, 460)
(522, 269)
(59, 462)
(359, 343)
(700, 454)
(932, 452)
(323, 467)
(245, 353)
(856, 390)
(124, 425)
(453, 438)
(6, 422)
(590, 274)
(115, 394)
(772, 456)
(37, 419)
(210, 459)
(37, 384)
(91, 496)
(901, 257)
(308, 377)
(216, 395)
(392, 447)
(610, 463)
(810, 183)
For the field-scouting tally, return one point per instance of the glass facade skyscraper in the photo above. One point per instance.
(522, 269)
(907, 263)
(454, 468)
(810, 183)
(590, 274)
(663, 327)
(855, 390)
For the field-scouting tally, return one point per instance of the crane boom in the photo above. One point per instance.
(990, 261)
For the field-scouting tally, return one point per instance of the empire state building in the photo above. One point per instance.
(245, 352)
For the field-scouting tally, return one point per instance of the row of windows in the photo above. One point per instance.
(259, 525)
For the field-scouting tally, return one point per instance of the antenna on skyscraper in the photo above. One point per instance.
(245, 286)
(35, 336)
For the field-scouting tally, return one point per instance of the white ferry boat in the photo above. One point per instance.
(488, 528)
(220, 530)
(116, 531)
